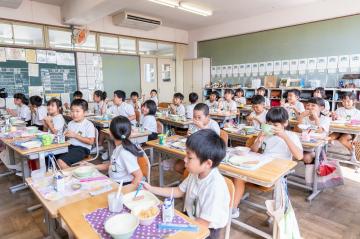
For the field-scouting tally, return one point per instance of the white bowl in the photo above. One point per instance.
(121, 226)
(240, 150)
(84, 171)
(148, 220)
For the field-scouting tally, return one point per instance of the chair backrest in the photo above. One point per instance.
(160, 127)
(145, 166)
(137, 115)
(231, 189)
(224, 136)
(163, 104)
(250, 141)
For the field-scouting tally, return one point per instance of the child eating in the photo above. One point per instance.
(293, 105)
(39, 112)
(239, 97)
(212, 101)
(177, 108)
(193, 97)
(120, 107)
(228, 105)
(261, 91)
(258, 116)
(23, 110)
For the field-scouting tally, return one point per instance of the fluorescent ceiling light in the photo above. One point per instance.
(169, 3)
(186, 6)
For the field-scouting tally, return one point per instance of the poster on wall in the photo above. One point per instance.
(229, 70)
(269, 67)
(311, 64)
(355, 62)
(344, 63)
(254, 69)
(218, 71)
(277, 67)
(223, 71)
(248, 69)
(302, 66)
(242, 70)
(332, 64)
(213, 71)
(2, 54)
(262, 68)
(294, 63)
(321, 64)
(235, 70)
(285, 66)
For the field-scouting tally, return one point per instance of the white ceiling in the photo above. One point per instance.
(223, 10)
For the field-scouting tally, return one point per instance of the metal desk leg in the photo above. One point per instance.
(22, 185)
(161, 171)
(51, 226)
(315, 190)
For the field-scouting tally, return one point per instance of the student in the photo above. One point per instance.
(239, 97)
(134, 101)
(282, 144)
(23, 110)
(193, 98)
(228, 104)
(120, 107)
(346, 112)
(258, 116)
(81, 133)
(313, 116)
(212, 101)
(99, 98)
(177, 108)
(293, 105)
(76, 95)
(38, 111)
(206, 194)
(261, 91)
(202, 120)
(320, 92)
(153, 96)
(123, 165)
(148, 121)
(54, 122)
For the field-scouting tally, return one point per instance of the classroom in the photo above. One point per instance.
(179, 119)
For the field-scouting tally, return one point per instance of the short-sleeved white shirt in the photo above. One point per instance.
(261, 117)
(207, 198)
(342, 113)
(24, 112)
(190, 111)
(155, 99)
(58, 122)
(324, 123)
(101, 106)
(39, 115)
(229, 106)
(85, 128)
(240, 100)
(276, 147)
(149, 123)
(122, 165)
(212, 105)
(180, 110)
(124, 109)
(213, 125)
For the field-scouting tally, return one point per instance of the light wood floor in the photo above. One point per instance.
(333, 214)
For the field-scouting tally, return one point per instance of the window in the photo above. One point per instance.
(109, 43)
(6, 35)
(165, 49)
(28, 35)
(89, 44)
(147, 48)
(127, 45)
(60, 38)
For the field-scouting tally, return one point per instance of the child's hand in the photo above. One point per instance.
(305, 113)
(66, 105)
(198, 124)
(334, 116)
(314, 114)
(279, 131)
(70, 134)
(147, 186)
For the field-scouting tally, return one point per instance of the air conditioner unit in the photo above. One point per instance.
(134, 20)
(10, 3)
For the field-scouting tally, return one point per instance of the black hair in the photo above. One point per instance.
(206, 144)
(317, 100)
(228, 91)
(21, 97)
(57, 102)
(349, 94)
(239, 90)
(78, 94)
(80, 102)
(321, 90)
(153, 90)
(257, 99)
(193, 97)
(120, 94)
(120, 128)
(261, 88)
(134, 93)
(277, 115)
(36, 100)
(101, 94)
(295, 91)
(215, 93)
(202, 107)
(179, 95)
(151, 105)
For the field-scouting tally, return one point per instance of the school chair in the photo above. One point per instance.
(90, 158)
(339, 152)
(224, 136)
(231, 189)
(137, 115)
(159, 127)
(144, 165)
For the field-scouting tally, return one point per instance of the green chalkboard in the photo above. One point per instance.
(14, 77)
(325, 38)
(121, 72)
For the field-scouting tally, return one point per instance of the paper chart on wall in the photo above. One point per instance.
(223, 71)
(344, 63)
(254, 69)
(80, 57)
(36, 90)
(213, 71)
(235, 70)
(269, 67)
(51, 57)
(355, 62)
(248, 69)
(229, 70)
(311, 64)
(285, 66)
(332, 64)
(302, 66)
(33, 70)
(277, 67)
(15, 54)
(41, 56)
(262, 68)
(30, 55)
(2, 54)
(242, 69)
(321, 64)
(294, 63)
(218, 70)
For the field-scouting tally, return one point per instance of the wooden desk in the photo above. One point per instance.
(242, 138)
(99, 122)
(337, 128)
(221, 116)
(73, 216)
(168, 123)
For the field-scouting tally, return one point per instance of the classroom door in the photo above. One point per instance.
(166, 79)
(148, 74)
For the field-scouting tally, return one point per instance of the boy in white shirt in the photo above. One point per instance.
(120, 107)
(281, 144)
(258, 116)
(206, 194)
(39, 112)
(346, 112)
(153, 96)
(212, 101)
(193, 98)
(134, 101)
(177, 108)
(23, 110)
(228, 105)
(262, 91)
(293, 105)
(81, 133)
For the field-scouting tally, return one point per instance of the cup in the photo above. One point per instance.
(46, 139)
(267, 129)
(115, 204)
(162, 138)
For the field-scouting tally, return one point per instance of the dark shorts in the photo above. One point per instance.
(74, 154)
(153, 136)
